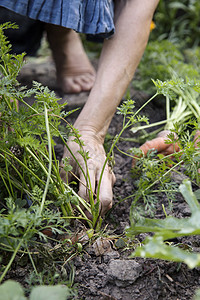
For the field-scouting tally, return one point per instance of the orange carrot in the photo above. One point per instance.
(159, 144)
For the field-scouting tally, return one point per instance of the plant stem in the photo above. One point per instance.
(8, 176)
(135, 129)
(31, 259)
(167, 109)
(50, 159)
(22, 164)
(147, 102)
(11, 261)
(5, 184)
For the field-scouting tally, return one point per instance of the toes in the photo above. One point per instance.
(85, 82)
(68, 85)
(77, 83)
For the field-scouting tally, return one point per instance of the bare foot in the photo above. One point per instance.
(74, 70)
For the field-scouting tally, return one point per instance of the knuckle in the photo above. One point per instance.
(107, 203)
(82, 192)
(90, 164)
(113, 178)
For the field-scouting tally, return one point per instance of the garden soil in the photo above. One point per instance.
(105, 270)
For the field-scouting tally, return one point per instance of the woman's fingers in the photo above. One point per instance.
(106, 190)
(87, 184)
(89, 172)
(90, 184)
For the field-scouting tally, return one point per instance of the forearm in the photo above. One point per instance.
(118, 62)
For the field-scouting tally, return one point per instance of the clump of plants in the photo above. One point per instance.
(173, 46)
(176, 152)
(169, 228)
(165, 60)
(174, 147)
(178, 21)
(36, 205)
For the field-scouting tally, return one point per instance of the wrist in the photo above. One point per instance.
(91, 130)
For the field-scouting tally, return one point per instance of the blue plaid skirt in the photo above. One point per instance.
(93, 17)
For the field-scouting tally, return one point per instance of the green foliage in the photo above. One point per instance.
(178, 21)
(28, 165)
(10, 64)
(152, 174)
(35, 202)
(59, 292)
(164, 60)
(173, 46)
(10, 290)
(197, 295)
(169, 228)
(152, 177)
(33, 196)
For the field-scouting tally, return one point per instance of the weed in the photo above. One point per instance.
(169, 228)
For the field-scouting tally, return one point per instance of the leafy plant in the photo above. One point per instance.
(31, 190)
(182, 100)
(178, 21)
(169, 228)
(35, 203)
(57, 292)
(182, 118)
(152, 177)
(165, 60)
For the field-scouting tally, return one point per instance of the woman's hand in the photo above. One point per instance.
(96, 153)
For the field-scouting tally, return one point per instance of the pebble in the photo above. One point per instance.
(124, 272)
(110, 255)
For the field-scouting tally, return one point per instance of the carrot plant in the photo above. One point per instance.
(35, 203)
(179, 139)
(154, 171)
(30, 182)
(34, 199)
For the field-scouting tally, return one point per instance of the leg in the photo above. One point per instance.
(74, 70)
(118, 62)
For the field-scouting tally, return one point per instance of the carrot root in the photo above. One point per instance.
(159, 144)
